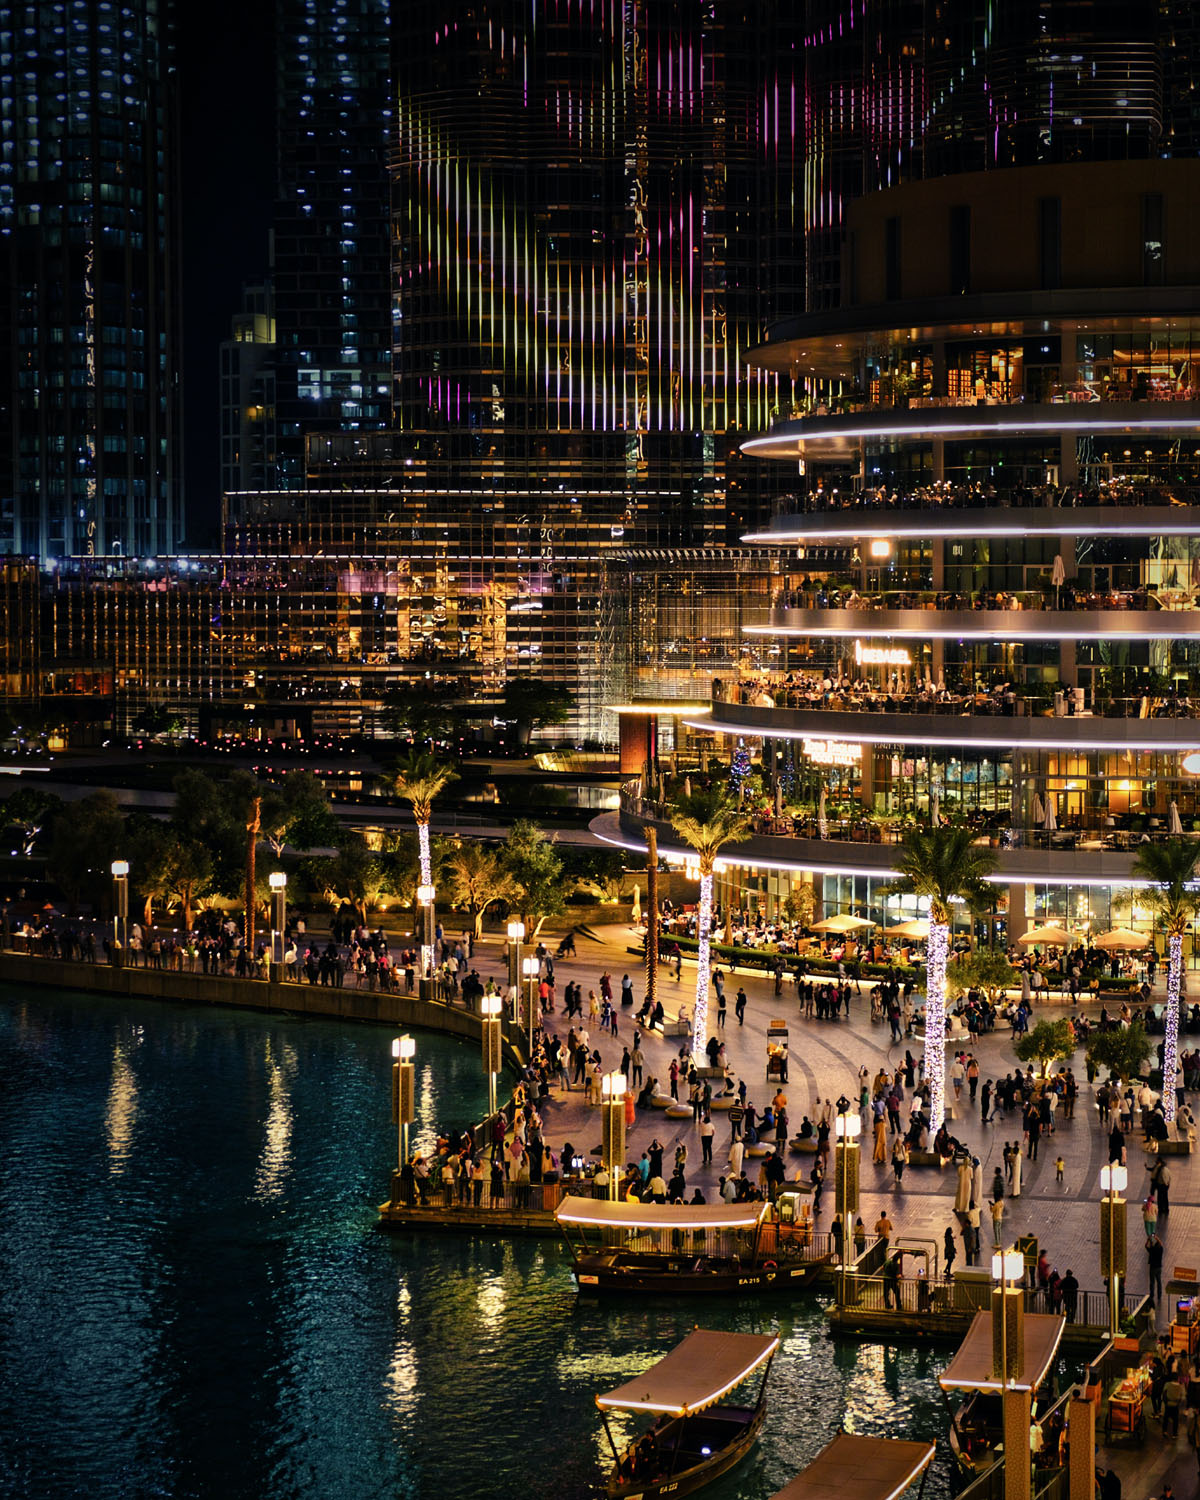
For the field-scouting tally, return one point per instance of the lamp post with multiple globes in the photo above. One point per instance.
(1114, 1179)
(612, 1096)
(120, 875)
(1008, 1363)
(531, 968)
(277, 880)
(491, 1006)
(847, 1126)
(404, 1049)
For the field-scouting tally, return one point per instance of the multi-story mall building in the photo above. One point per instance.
(986, 599)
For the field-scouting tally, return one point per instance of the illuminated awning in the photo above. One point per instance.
(971, 1369)
(863, 1467)
(696, 1373)
(601, 1214)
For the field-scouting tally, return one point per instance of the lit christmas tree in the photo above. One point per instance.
(740, 768)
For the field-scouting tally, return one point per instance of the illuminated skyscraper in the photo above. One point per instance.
(89, 315)
(330, 243)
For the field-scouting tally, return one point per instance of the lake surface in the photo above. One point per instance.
(194, 1300)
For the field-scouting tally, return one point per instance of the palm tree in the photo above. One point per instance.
(707, 822)
(943, 865)
(1170, 870)
(477, 878)
(419, 780)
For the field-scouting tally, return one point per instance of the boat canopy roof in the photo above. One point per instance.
(866, 1467)
(602, 1214)
(971, 1369)
(695, 1375)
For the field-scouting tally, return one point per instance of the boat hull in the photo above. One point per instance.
(747, 1424)
(678, 1277)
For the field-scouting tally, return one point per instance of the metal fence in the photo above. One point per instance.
(915, 1294)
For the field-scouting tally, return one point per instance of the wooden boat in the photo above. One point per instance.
(977, 1426)
(653, 1247)
(866, 1468)
(694, 1439)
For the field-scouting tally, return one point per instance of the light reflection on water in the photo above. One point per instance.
(211, 1312)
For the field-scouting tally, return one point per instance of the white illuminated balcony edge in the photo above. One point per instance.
(922, 524)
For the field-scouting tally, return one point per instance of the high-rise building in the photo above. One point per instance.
(89, 314)
(330, 242)
(248, 422)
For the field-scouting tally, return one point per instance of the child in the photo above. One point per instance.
(1059, 1168)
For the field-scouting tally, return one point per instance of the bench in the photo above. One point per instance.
(919, 1158)
(677, 1028)
(1175, 1147)
(802, 1144)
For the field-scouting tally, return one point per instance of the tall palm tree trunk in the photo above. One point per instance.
(1171, 1023)
(651, 915)
(253, 826)
(936, 950)
(426, 859)
(703, 928)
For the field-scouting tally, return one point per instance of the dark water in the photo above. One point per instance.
(194, 1300)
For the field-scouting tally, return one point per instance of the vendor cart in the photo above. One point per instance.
(777, 1052)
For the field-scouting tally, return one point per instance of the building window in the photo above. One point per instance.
(891, 259)
(1152, 239)
(960, 249)
(1050, 243)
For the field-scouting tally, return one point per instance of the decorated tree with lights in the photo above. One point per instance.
(1169, 869)
(740, 768)
(420, 779)
(943, 865)
(707, 822)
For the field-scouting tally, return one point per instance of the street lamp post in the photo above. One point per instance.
(612, 1096)
(404, 1049)
(530, 967)
(847, 1128)
(516, 933)
(1008, 1363)
(120, 875)
(1114, 1179)
(425, 899)
(277, 880)
(491, 1006)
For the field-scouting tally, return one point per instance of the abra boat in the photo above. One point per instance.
(694, 1439)
(977, 1427)
(663, 1247)
(866, 1467)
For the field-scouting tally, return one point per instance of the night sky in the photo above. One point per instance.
(228, 83)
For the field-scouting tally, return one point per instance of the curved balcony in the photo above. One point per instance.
(931, 623)
(836, 433)
(953, 724)
(841, 853)
(944, 516)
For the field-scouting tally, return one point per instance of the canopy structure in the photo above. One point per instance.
(600, 1214)
(695, 1375)
(916, 930)
(971, 1368)
(863, 1467)
(1053, 937)
(1122, 937)
(842, 923)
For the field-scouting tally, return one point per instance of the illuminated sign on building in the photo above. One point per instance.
(881, 656)
(833, 752)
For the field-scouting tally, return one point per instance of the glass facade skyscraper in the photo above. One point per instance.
(331, 235)
(89, 314)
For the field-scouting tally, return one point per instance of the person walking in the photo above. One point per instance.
(736, 1115)
(998, 1219)
(1015, 1188)
(880, 1152)
(721, 1010)
(1150, 1215)
(1160, 1181)
(706, 1141)
(950, 1250)
(899, 1161)
(739, 1006)
(1154, 1260)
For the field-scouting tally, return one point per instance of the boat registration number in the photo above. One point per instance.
(589, 1281)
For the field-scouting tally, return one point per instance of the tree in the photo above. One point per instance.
(187, 877)
(478, 877)
(536, 873)
(85, 837)
(29, 809)
(419, 780)
(296, 811)
(1119, 1050)
(356, 877)
(943, 865)
(421, 711)
(706, 822)
(985, 969)
(800, 903)
(1048, 1041)
(213, 812)
(1170, 870)
(533, 703)
(147, 845)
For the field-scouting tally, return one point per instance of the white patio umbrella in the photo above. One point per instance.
(1037, 811)
(1174, 823)
(687, 786)
(1058, 574)
(778, 800)
(1051, 822)
(822, 825)
(916, 930)
(1053, 937)
(843, 922)
(636, 913)
(1121, 937)
(935, 809)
